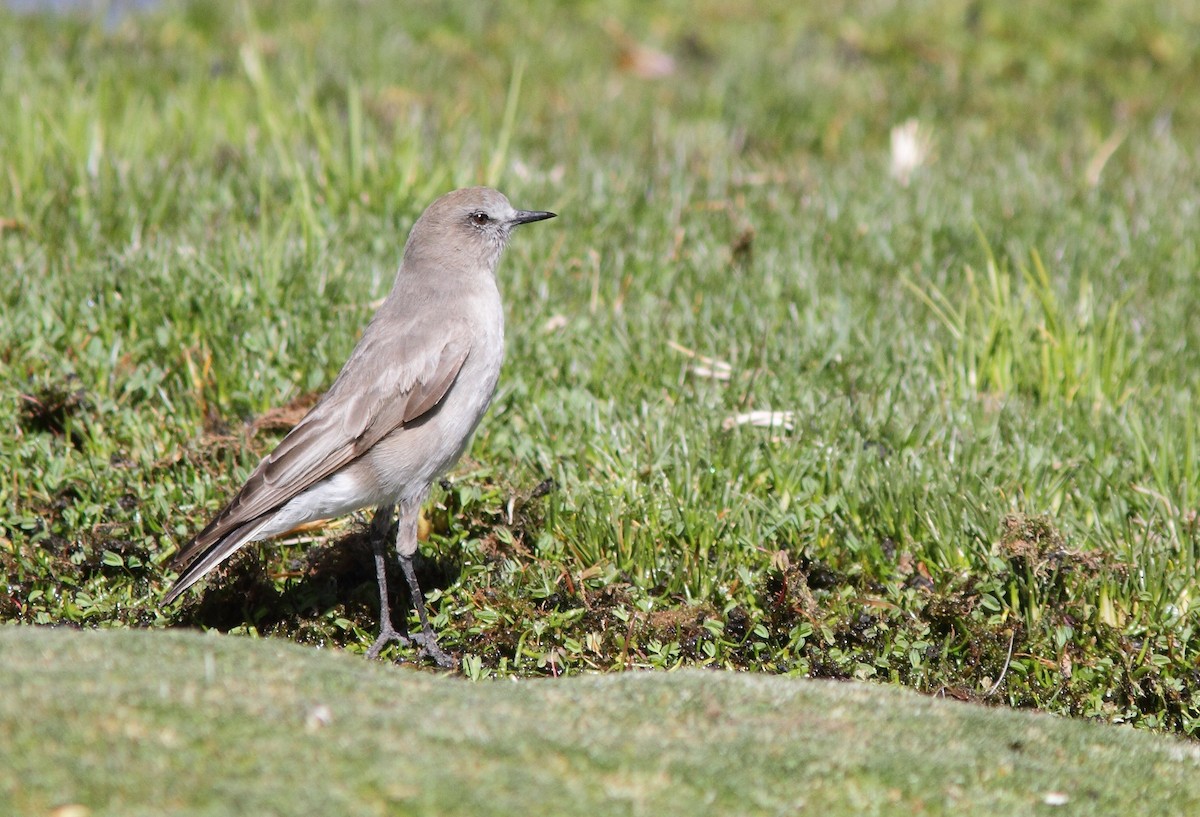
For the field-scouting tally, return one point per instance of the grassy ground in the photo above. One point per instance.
(137, 723)
(986, 481)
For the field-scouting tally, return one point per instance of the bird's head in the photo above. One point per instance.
(468, 226)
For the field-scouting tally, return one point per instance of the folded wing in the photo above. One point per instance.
(382, 387)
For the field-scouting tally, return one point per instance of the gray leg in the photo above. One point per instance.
(427, 640)
(406, 547)
(381, 527)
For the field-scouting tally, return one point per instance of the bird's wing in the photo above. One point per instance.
(395, 375)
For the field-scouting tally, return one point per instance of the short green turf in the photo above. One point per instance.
(146, 723)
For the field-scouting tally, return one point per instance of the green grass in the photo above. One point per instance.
(140, 723)
(988, 486)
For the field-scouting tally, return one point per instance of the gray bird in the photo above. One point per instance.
(401, 411)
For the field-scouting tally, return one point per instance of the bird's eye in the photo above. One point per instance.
(479, 217)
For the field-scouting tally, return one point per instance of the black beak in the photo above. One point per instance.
(526, 216)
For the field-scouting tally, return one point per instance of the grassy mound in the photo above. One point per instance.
(177, 723)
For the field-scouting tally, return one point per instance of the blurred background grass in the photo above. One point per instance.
(946, 250)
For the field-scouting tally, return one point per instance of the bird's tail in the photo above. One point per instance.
(207, 551)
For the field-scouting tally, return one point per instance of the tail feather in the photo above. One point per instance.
(204, 556)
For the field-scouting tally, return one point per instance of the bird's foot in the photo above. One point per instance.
(431, 650)
(387, 635)
(426, 641)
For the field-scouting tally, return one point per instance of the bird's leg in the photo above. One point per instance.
(427, 640)
(406, 547)
(381, 526)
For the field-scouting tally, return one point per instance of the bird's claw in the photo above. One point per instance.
(387, 634)
(430, 649)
